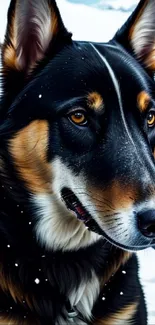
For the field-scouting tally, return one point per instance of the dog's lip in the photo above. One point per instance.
(73, 204)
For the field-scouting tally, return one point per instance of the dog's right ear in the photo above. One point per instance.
(138, 34)
(34, 29)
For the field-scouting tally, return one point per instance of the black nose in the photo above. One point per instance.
(146, 223)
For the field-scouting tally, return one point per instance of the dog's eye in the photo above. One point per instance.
(78, 117)
(151, 119)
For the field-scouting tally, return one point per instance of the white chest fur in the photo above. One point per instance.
(83, 300)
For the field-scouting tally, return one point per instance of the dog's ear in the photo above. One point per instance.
(33, 27)
(138, 34)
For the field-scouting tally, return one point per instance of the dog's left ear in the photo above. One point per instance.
(33, 27)
(138, 34)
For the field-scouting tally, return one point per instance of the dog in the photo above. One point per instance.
(77, 170)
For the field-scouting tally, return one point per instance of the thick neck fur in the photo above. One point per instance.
(38, 283)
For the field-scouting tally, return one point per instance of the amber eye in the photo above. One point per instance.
(151, 119)
(78, 118)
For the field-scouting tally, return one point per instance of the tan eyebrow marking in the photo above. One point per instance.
(143, 100)
(95, 101)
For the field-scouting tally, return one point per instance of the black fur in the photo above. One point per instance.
(35, 281)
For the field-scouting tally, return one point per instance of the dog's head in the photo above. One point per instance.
(79, 126)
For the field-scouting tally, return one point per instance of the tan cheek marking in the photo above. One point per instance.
(95, 101)
(143, 101)
(113, 198)
(29, 152)
(122, 317)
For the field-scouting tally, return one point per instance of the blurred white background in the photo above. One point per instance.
(98, 20)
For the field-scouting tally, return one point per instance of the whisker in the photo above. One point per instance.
(110, 222)
(90, 196)
(114, 227)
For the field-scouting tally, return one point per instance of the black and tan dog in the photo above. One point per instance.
(77, 173)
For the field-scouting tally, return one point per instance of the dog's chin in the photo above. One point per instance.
(74, 205)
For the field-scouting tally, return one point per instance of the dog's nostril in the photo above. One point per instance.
(146, 223)
(151, 229)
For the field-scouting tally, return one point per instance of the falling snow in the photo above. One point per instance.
(99, 32)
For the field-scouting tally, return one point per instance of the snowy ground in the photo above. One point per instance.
(90, 22)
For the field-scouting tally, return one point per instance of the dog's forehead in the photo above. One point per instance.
(126, 69)
(79, 70)
(88, 66)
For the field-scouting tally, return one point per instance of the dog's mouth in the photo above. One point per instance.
(73, 204)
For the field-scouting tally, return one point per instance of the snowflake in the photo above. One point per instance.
(37, 281)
